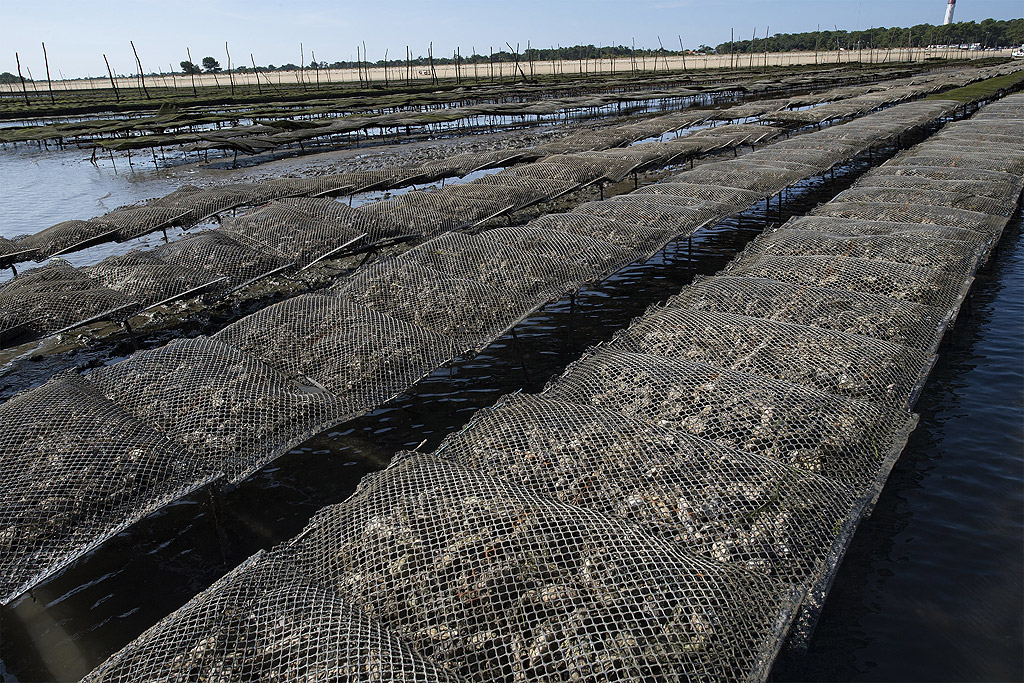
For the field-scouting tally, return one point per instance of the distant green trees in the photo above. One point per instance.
(988, 33)
(8, 77)
(211, 65)
(188, 67)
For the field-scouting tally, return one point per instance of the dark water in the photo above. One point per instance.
(76, 619)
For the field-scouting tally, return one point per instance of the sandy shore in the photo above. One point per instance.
(506, 70)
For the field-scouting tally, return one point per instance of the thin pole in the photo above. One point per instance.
(753, 37)
(408, 67)
(259, 88)
(109, 73)
(191, 70)
(24, 90)
(366, 67)
(681, 51)
(231, 78)
(48, 82)
(142, 79)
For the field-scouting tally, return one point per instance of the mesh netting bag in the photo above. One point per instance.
(466, 311)
(497, 583)
(51, 298)
(914, 213)
(501, 264)
(729, 196)
(144, 278)
(217, 254)
(264, 622)
(924, 251)
(362, 356)
(304, 230)
(856, 227)
(65, 236)
(844, 364)
(219, 404)
(664, 217)
(521, 186)
(894, 280)
(77, 470)
(578, 173)
(818, 432)
(996, 188)
(136, 221)
(934, 197)
(626, 235)
(900, 322)
(730, 506)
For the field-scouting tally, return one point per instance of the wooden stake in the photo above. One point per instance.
(110, 73)
(259, 89)
(682, 51)
(231, 78)
(192, 72)
(430, 55)
(366, 69)
(408, 67)
(24, 90)
(142, 79)
(48, 82)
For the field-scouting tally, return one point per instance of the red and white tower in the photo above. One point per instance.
(950, 6)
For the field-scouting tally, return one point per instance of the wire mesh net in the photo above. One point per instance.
(362, 356)
(264, 622)
(880, 317)
(217, 254)
(495, 582)
(914, 213)
(727, 505)
(230, 412)
(815, 431)
(847, 365)
(77, 469)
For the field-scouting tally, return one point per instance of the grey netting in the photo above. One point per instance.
(132, 222)
(914, 213)
(565, 172)
(77, 469)
(894, 280)
(230, 412)
(925, 251)
(466, 311)
(497, 583)
(816, 431)
(66, 236)
(668, 219)
(856, 227)
(708, 193)
(961, 158)
(900, 322)
(264, 622)
(538, 187)
(145, 279)
(301, 231)
(216, 253)
(932, 197)
(51, 298)
(907, 170)
(848, 365)
(730, 506)
(404, 218)
(629, 236)
(997, 188)
(321, 186)
(363, 356)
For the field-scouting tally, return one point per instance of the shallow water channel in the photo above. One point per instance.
(930, 588)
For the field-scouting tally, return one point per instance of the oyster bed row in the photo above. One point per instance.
(190, 206)
(663, 508)
(226, 405)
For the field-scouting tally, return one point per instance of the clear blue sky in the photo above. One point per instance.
(78, 32)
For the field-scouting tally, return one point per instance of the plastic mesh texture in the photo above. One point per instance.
(361, 355)
(50, 298)
(77, 469)
(229, 411)
(236, 402)
(727, 505)
(270, 625)
(264, 622)
(924, 251)
(855, 227)
(302, 231)
(843, 364)
(872, 315)
(496, 582)
(815, 431)
(217, 254)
